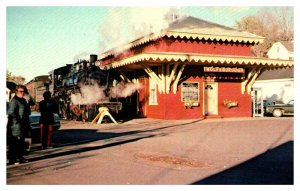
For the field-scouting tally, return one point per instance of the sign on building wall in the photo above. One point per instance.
(190, 92)
(224, 69)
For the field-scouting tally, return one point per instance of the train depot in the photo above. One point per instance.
(193, 69)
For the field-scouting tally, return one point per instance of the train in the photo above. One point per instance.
(69, 83)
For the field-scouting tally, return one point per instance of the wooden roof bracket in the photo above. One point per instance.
(247, 79)
(154, 76)
(169, 77)
(124, 77)
(254, 77)
(162, 76)
(247, 84)
(175, 84)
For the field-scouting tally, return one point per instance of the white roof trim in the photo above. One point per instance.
(188, 35)
(200, 58)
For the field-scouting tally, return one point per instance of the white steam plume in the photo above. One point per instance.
(89, 94)
(124, 89)
(126, 24)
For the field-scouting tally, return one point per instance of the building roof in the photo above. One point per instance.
(277, 74)
(199, 26)
(199, 59)
(194, 28)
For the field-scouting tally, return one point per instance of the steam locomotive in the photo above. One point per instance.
(66, 81)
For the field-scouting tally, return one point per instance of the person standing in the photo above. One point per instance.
(47, 107)
(28, 139)
(18, 125)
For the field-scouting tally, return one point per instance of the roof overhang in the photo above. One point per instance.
(216, 37)
(185, 35)
(199, 59)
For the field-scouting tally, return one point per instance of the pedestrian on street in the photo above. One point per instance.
(18, 126)
(47, 107)
(28, 139)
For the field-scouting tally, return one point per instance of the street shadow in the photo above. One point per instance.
(274, 167)
(71, 137)
(65, 137)
(80, 136)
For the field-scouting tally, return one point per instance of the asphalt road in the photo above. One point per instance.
(237, 151)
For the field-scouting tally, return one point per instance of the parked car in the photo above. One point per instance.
(279, 110)
(268, 103)
(35, 126)
(36, 129)
(35, 119)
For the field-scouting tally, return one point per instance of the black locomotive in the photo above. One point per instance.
(69, 80)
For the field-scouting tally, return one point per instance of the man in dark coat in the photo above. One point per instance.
(18, 125)
(47, 107)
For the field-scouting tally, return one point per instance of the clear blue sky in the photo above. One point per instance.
(40, 39)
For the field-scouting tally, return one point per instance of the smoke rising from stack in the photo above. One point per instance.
(124, 25)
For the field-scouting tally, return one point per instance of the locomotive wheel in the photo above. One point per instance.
(277, 113)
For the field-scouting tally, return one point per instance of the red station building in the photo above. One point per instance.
(193, 69)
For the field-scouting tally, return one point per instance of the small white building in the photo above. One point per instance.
(282, 50)
(278, 84)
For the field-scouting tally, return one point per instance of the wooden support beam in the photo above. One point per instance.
(175, 84)
(149, 71)
(170, 77)
(153, 76)
(167, 84)
(163, 78)
(173, 72)
(245, 82)
(251, 82)
(124, 77)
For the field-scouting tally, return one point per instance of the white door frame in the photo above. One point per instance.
(210, 104)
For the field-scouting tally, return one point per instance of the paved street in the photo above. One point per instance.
(150, 152)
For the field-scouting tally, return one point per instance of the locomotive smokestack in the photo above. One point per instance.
(93, 58)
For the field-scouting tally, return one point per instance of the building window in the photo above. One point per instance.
(278, 49)
(153, 92)
(190, 92)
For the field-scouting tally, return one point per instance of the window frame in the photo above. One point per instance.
(183, 88)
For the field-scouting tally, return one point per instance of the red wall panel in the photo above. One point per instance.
(185, 46)
(170, 105)
(232, 91)
(198, 47)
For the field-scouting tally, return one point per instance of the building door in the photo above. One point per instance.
(257, 102)
(211, 98)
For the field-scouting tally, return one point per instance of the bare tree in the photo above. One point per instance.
(8, 75)
(275, 24)
(17, 79)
